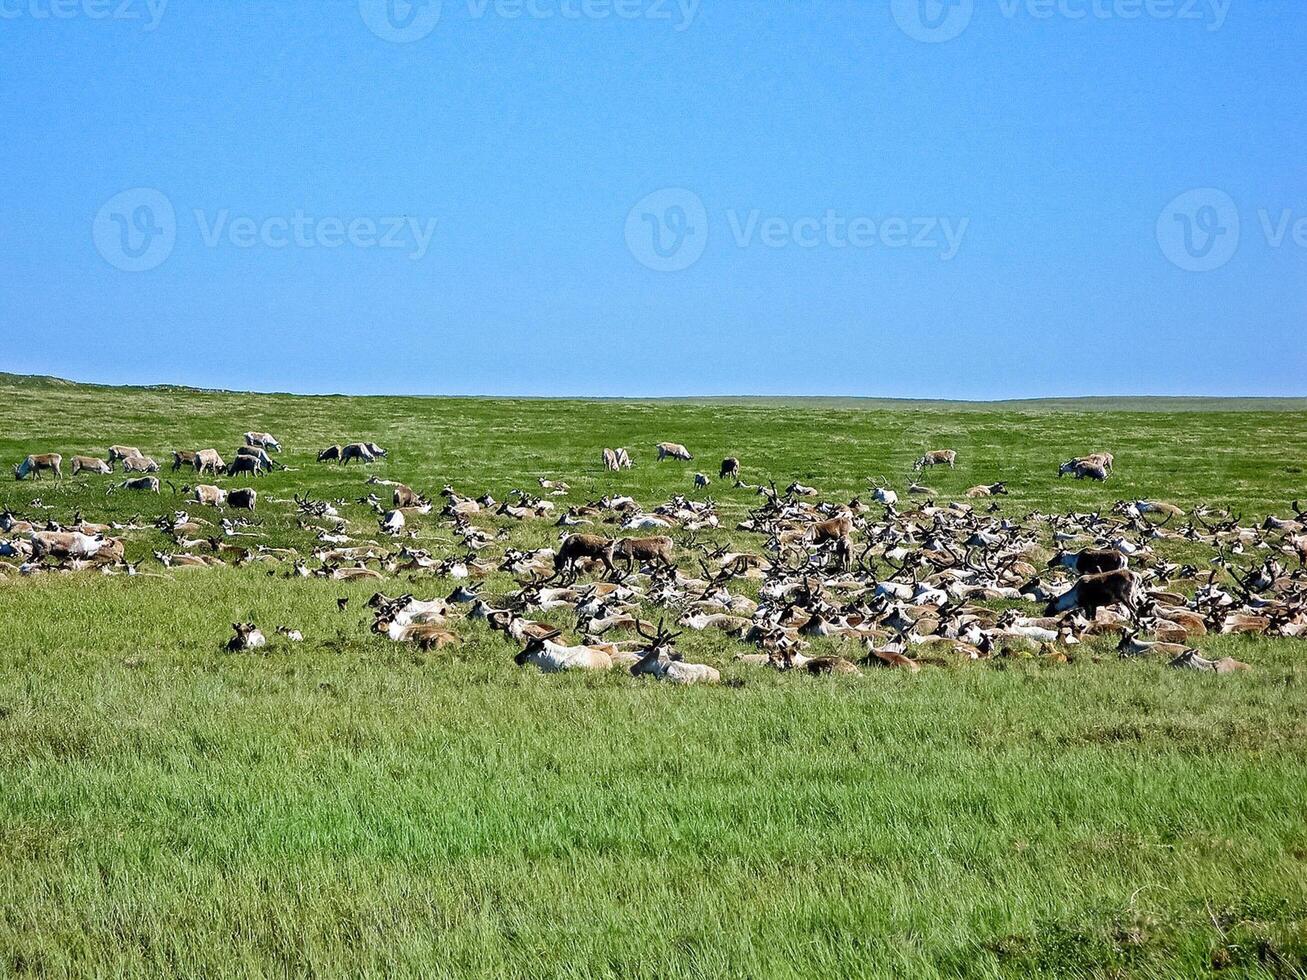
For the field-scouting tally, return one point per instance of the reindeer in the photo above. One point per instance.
(1119, 587)
(245, 464)
(580, 547)
(208, 460)
(1089, 561)
(937, 457)
(882, 494)
(243, 498)
(1095, 467)
(145, 484)
(553, 658)
(731, 468)
(357, 450)
(657, 549)
(208, 495)
(329, 454)
(119, 453)
(701, 480)
(139, 464)
(65, 544)
(672, 450)
(257, 452)
(992, 490)
(183, 458)
(660, 661)
(262, 440)
(623, 459)
(610, 461)
(248, 637)
(33, 465)
(91, 464)
(402, 496)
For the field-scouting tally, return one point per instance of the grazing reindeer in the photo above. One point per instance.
(357, 450)
(263, 440)
(140, 464)
(246, 464)
(672, 450)
(1095, 467)
(938, 457)
(623, 459)
(731, 468)
(658, 549)
(33, 465)
(243, 499)
(256, 452)
(208, 459)
(329, 454)
(119, 453)
(579, 547)
(91, 464)
(209, 496)
(701, 480)
(183, 457)
(610, 461)
(146, 484)
(1119, 587)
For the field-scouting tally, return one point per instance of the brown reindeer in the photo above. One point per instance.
(1119, 587)
(33, 465)
(655, 549)
(580, 547)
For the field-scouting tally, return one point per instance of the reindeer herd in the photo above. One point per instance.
(874, 583)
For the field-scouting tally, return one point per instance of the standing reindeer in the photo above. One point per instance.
(938, 457)
(33, 465)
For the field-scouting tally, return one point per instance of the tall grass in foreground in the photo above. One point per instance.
(348, 806)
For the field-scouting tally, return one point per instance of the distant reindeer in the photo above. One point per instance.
(939, 457)
(263, 440)
(731, 468)
(672, 450)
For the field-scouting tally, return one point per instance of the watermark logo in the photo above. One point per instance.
(932, 21)
(936, 21)
(668, 230)
(401, 21)
(302, 230)
(1199, 230)
(147, 12)
(135, 231)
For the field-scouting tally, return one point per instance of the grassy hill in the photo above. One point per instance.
(352, 806)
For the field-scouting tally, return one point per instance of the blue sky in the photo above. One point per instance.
(989, 199)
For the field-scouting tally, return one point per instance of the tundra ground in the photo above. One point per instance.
(353, 806)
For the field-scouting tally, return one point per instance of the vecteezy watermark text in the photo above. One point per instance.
(668, 231)
(148, 12)
(406, 21)
(937, 21)
(137, 230)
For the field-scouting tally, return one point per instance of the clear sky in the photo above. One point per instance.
(978, 199)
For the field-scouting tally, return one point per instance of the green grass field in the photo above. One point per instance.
(353, 806)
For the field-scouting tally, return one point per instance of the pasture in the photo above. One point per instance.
(351, 805)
